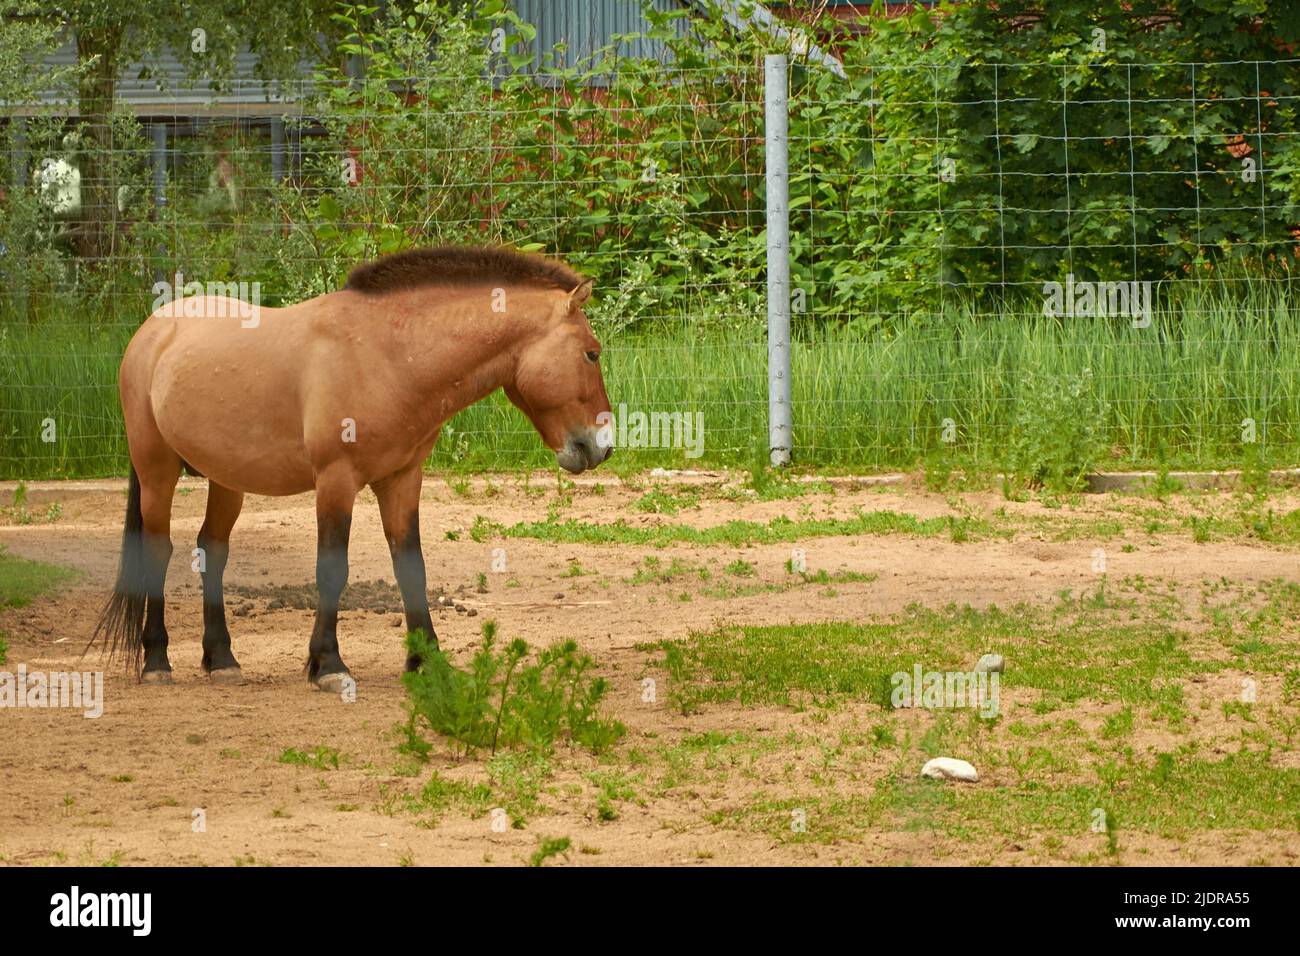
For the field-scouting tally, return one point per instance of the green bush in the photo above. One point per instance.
(507, 697)
(1076, 136)
(1055, 433)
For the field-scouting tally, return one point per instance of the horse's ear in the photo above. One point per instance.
(581, 294)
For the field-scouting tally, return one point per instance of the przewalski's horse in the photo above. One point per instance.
(346, 390)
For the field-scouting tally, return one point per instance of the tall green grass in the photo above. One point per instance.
(1176, 393)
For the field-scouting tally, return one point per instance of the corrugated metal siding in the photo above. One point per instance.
(585, 26)
(169, 85)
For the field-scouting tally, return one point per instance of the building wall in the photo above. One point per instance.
(585, 26)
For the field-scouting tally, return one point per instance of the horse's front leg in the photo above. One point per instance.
(336, 492)
(399, 509)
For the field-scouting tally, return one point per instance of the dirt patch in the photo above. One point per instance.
(132, 785)
(377, 597)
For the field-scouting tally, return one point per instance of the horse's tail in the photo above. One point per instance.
(121, 623)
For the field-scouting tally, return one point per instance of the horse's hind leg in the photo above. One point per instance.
(399, 508)
(214, 545)
(157, 486)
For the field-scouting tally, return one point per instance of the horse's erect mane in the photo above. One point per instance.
(442, 265)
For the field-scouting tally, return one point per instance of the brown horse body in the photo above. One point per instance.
(343, 391)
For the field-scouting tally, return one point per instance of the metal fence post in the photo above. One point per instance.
(776, 138)
(277, 150)
(158, 158)
(17, 279)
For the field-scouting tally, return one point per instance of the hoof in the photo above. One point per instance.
(227, 675)
(156, 677)
(332, 683)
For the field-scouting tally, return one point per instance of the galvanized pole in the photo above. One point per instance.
(779, 415)
(160, 195)
(277, 150)
(17, 280)
(159, 165)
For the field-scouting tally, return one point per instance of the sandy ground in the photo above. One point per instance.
(126, 787)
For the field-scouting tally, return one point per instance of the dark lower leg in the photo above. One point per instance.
(217, 654)
(157, 552)
(331, 577)
(408, 567)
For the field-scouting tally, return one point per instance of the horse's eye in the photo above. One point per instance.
(593, 356)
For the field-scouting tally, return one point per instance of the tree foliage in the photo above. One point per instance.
(973, 150)
(990, 147)
(205, 35)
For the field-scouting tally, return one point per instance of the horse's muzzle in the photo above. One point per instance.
(581, 451)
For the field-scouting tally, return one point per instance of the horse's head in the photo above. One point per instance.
(559, 387)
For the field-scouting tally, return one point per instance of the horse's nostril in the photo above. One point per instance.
(593, 452)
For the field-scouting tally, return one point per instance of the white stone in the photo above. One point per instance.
(949, 768)
(989, 664)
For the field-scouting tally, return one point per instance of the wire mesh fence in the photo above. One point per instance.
(1104, 250)
(1033, 244)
